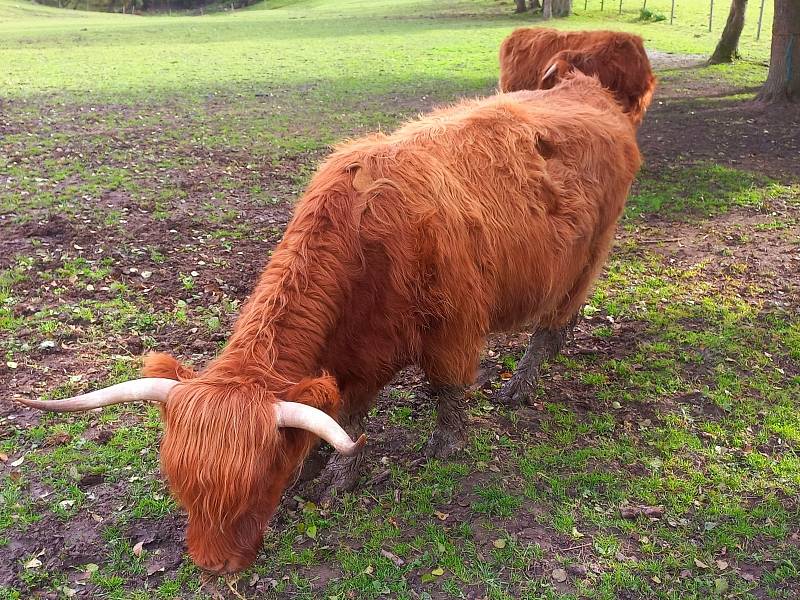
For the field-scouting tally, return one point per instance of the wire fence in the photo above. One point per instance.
(710, 13)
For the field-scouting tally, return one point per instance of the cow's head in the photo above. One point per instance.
(623, 68)
(229, 450)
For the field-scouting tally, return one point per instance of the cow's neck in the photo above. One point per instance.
(279, 336)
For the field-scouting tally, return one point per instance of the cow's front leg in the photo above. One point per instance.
(342, 472)
(544, 345)
(450, 433)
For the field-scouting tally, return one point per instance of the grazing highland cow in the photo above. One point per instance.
(406, 249)
(536, 58)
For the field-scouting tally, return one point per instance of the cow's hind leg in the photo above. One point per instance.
(451, 421)
(544, 345)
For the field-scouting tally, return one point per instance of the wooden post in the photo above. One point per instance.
(585, 4)
(672, 13)
(760, 17)
(620, 6)
(710, 15)
(601, 5)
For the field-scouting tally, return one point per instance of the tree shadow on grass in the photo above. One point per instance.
(731, 132)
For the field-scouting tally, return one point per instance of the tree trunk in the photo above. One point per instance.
(521, 8)
(556, 8)
(728, 47)
(536, 5)
(783, 80)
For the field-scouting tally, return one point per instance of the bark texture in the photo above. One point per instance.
(728, 47)
(783, 80)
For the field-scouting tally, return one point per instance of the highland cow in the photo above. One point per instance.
(407, 249)
(535, 58)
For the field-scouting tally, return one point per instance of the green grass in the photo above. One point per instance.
(276, 46)
(167, 151)
(703, 191)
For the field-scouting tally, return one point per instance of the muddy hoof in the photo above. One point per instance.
(339, 476)
(515, 393)
(443, 445)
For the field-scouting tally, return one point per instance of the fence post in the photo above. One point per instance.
(710, 15)
(760, 17)
(672, 13)
(585, 4)
(601, 5)
(620, 6)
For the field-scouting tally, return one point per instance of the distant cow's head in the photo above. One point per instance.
(622, 67)
(229, 450)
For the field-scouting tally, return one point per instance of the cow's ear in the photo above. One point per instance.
(159, 364)
(319, 392)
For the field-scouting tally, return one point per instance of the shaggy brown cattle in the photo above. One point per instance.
(406, 249)
(535, 58)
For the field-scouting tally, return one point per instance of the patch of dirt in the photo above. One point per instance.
(668, 60)
(696, 121)
(676, 126)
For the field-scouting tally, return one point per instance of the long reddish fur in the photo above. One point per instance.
(618, 59)
(407, 248)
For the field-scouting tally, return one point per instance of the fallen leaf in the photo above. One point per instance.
(699, 563)
(12, 365)
(33, 563)
(311, 531)
(441, 516)
(438, 571)
(499, 543)
(3, 457)
(138, 548)
(654, 512)
(577, 570)
(91, 568)
(18, 462)
(577, 534)
(68, 591)
(65, 504)
(632, 512)
(559, 575)
(392, 557)
(369, 570)
(722, 564)
(154, 568)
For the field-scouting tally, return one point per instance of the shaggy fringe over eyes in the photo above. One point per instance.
(218, 442)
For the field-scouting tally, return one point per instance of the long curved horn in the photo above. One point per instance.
(550, 70)
(149, 389)
(303, 416)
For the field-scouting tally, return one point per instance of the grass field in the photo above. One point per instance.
(149, 164)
